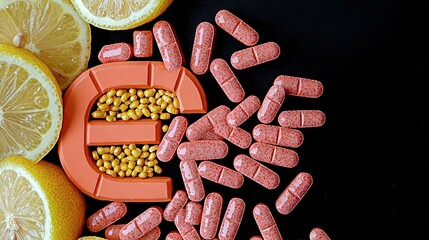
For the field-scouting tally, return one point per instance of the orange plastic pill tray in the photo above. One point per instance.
(79, 132)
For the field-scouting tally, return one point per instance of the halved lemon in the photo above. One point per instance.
(30, 105)
(38, 201)
(52, 30)
(120, 14)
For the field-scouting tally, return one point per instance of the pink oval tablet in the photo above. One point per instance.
(172, 138)
(275, 155)
(173, 235)
(106, 216)
(232, 219)
(277, 135)
(187, 231)
(301, 87)
(112, 231)
(301, 118)
(193, 212)
(256, 171)
(211, 215)
(243, 111)
(255, 55)
(168, 44)
(192, 180)
(142, 43)
(173, 207)
(266, 223)
(220, 174)
(318, 234)
(153, 234)
(293, 193)
(211, 135)
(236, 28)
(115, 52)
(199, 128)
(142, 224)
(202, 49)
(202, 150)
(227, 80)
(271, 105)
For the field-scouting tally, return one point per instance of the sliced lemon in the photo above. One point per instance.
(38, 201)
(52, 30)
(30, 105)
(120, 14)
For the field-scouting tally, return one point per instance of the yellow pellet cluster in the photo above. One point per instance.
(127, 161)
(134, 104)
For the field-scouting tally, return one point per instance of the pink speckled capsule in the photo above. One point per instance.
(318, 234)
(202, 49)
(211, 135)
(301, 87)
(301, 118)
(243, 111)
(193, 212)
(106, 216)
(220, 174)
(171, 139)
(256, 238)
(112, 231)
(232, 219)
(192, 180)
(168, 44)
(256, 171)
(293, 193)
(227, 80)
(173, 207)
(115, 52)
(275, 155)
(277, 135)
(187, 231)
(255, 55)
(142, 43)
(142, 224)
(211, 215)
(236, 27)
(271, 104)
(202, 150)
(173, 235)
(266, 223)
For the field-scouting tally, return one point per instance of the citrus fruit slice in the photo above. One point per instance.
(30, 105)
(38, 201)
(52, 30)
(120, 15)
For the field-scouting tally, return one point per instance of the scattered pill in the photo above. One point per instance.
(243, 111)
(275, 155)
(172, 138)
(256, 171)
(227, 80)
(318, 234)
(173, 207)
(106, 216)
(255, 55)
(142, 43)
(266, 223)
(211, 135)
(153, 234)
(277, 135)
(293, 193)
(142, 224)
(271, 104)
(115, 52)
(194, 211)
(301, 87)
(198, 129)
(211, 215)
(112, 231)
(202, 49)
(173, 235)
(220, 174)
(186, 230)
(168, 44)
(192, 180)
(301, 118)
(256, 238)
(232, 219)
(202, 150)
(236, 27)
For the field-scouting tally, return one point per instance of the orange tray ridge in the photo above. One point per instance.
(79, 132)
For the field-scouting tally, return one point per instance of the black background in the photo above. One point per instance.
(367, 160)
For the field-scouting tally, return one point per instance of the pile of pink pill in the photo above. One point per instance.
(195, 213)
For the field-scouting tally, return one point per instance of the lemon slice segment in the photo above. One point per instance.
(30, 105)
(120, 14)
(38, 201)
(52, 30)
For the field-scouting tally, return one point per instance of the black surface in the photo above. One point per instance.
(368, 160)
